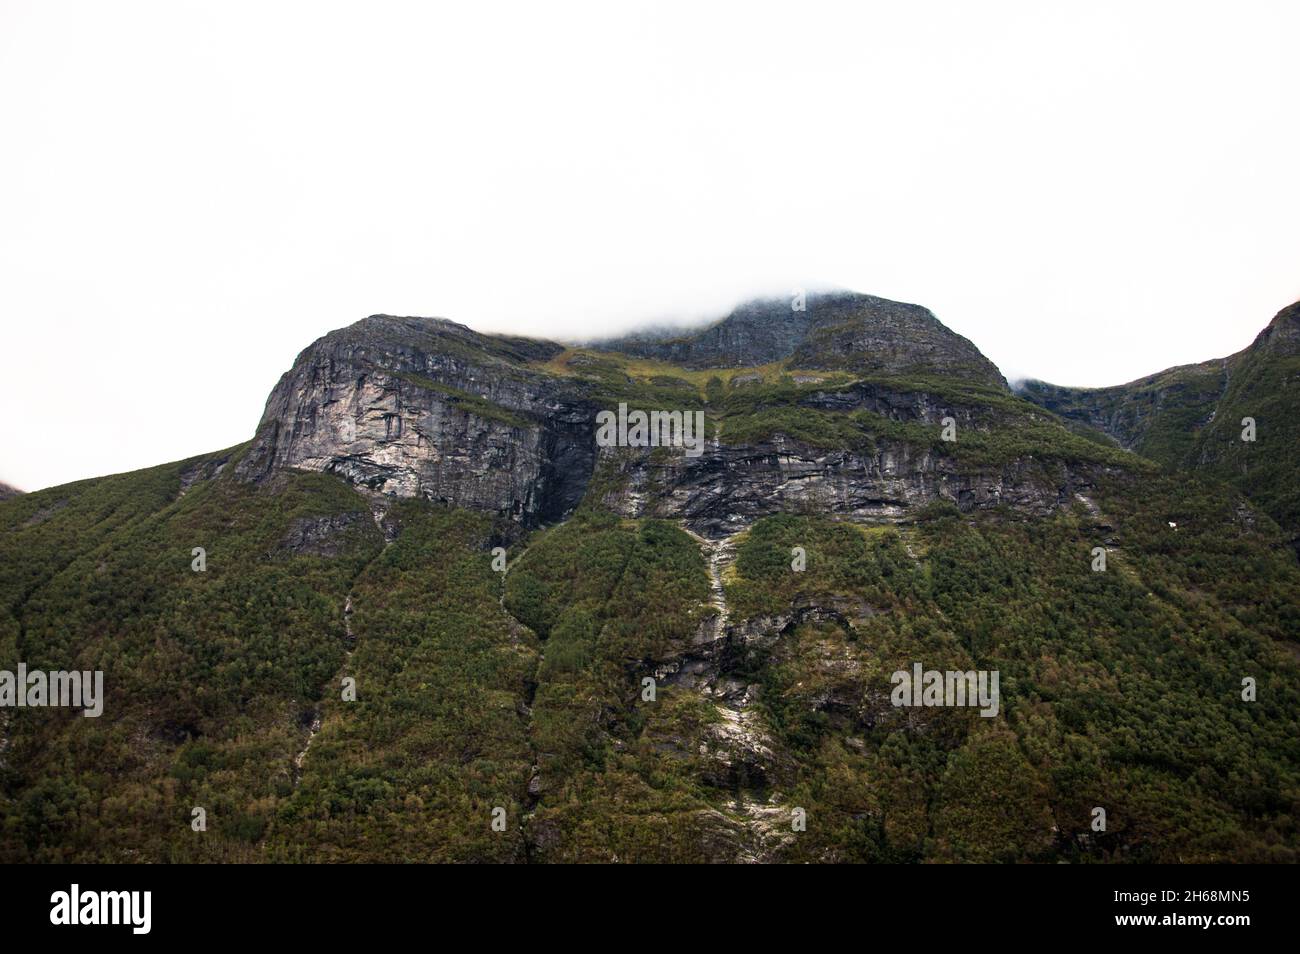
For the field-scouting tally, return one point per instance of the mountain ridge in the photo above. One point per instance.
(847, 390)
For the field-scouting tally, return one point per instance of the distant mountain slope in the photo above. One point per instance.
(1158, 416)
(1192, 416)
(7, 491)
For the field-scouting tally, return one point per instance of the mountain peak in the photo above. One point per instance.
(832, 330)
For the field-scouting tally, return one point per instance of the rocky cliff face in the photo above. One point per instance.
(414, 407)
(731, 485)
(729, 488)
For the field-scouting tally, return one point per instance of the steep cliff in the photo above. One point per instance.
(415, 407)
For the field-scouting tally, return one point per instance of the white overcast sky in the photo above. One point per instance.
(190, 193)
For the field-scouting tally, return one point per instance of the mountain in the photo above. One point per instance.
(7, 491)
(684, 653)
(1193, 417)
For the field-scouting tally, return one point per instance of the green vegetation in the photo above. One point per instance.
(1262, 387)
(1119, 689)
(206, 675)
(1039, 439)
(618, 779)
(436, 739)
(825, 429)
(758, 404)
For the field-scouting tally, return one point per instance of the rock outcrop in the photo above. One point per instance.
(418, 407)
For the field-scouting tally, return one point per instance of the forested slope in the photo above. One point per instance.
(1119, 689)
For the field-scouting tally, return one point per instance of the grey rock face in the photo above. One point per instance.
(413, 407)
(905, 405)
(728, 488)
